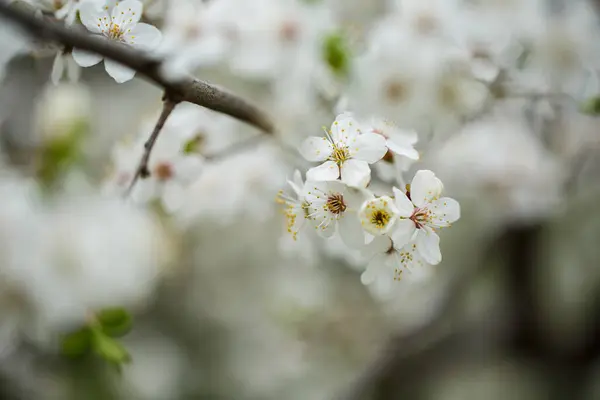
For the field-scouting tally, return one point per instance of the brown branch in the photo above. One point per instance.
(142, 169)
(186, 89)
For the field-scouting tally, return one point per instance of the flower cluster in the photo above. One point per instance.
(397, 231)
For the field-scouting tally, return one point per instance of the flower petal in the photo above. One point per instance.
(316, 149)
(369, 147)
(351, 231)
(143, 36)
(188, 168)
(94, 17)
(126, 14)
(375, 268)
(445, 211)
(58, 68)
(173, 196)
(403, 203)
(344, 129)
(425, 188)
(428, 245)
(355, 172)
(328, 171)
(86, 59)
(404, 231)
(405, 150)
(379, 245)
(118, 72)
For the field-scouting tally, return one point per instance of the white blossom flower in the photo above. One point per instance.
(346, 152)
(333, 204)
(171, 169)
(421, 213)
(390, 262)
(296, 207)
(117, 21)
(378, 215)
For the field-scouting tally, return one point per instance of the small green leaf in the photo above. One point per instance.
(336, 53)
(109, 349)
(114, 322)
(77, 344)
(591, 106)
(194, 145)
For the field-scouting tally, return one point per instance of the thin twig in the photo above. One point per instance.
(142, 169)
(185, 89)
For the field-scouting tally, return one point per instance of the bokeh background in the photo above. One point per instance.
(227, 306)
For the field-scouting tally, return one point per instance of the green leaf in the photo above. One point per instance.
(77, 344)
(109, 349)
(336, 53)
(194, 145)
(114, 322)
(591, 106)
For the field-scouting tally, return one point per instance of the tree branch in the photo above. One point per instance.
(187, 89)
(142, 169)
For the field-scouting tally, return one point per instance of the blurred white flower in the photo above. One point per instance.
(119, 22)
(346, 152)
(501, 164)
(62, 9)
(171, 170)
(62, 110)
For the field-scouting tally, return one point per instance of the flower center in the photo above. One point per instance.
(114, 32)
(335, 204)
(380, 218)
(420, 217)
(340, 154)
(163, 171)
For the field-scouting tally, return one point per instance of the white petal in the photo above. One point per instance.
(369, 147)
(356, 173)
(86, 59)
(144, 36)
(58, 68)
(296, 183)
(326, 226)
(445, 211)
(403, 150)
(404, 231)
(374, 269)
(145, 190)
(92, 15)
(351, 231)
(425, 188)
(73, 70)
(118, 72)
(316, 149)
(344, 129)
(188, 168)
(127, 13)
(328, 171)
(173, 196)
(404, 205)
(428, 245)
(379, 245)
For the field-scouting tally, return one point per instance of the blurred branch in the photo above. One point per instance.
(187, 89)
(142, 170)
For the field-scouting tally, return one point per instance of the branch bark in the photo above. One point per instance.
(142, 169)
(187, 89)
